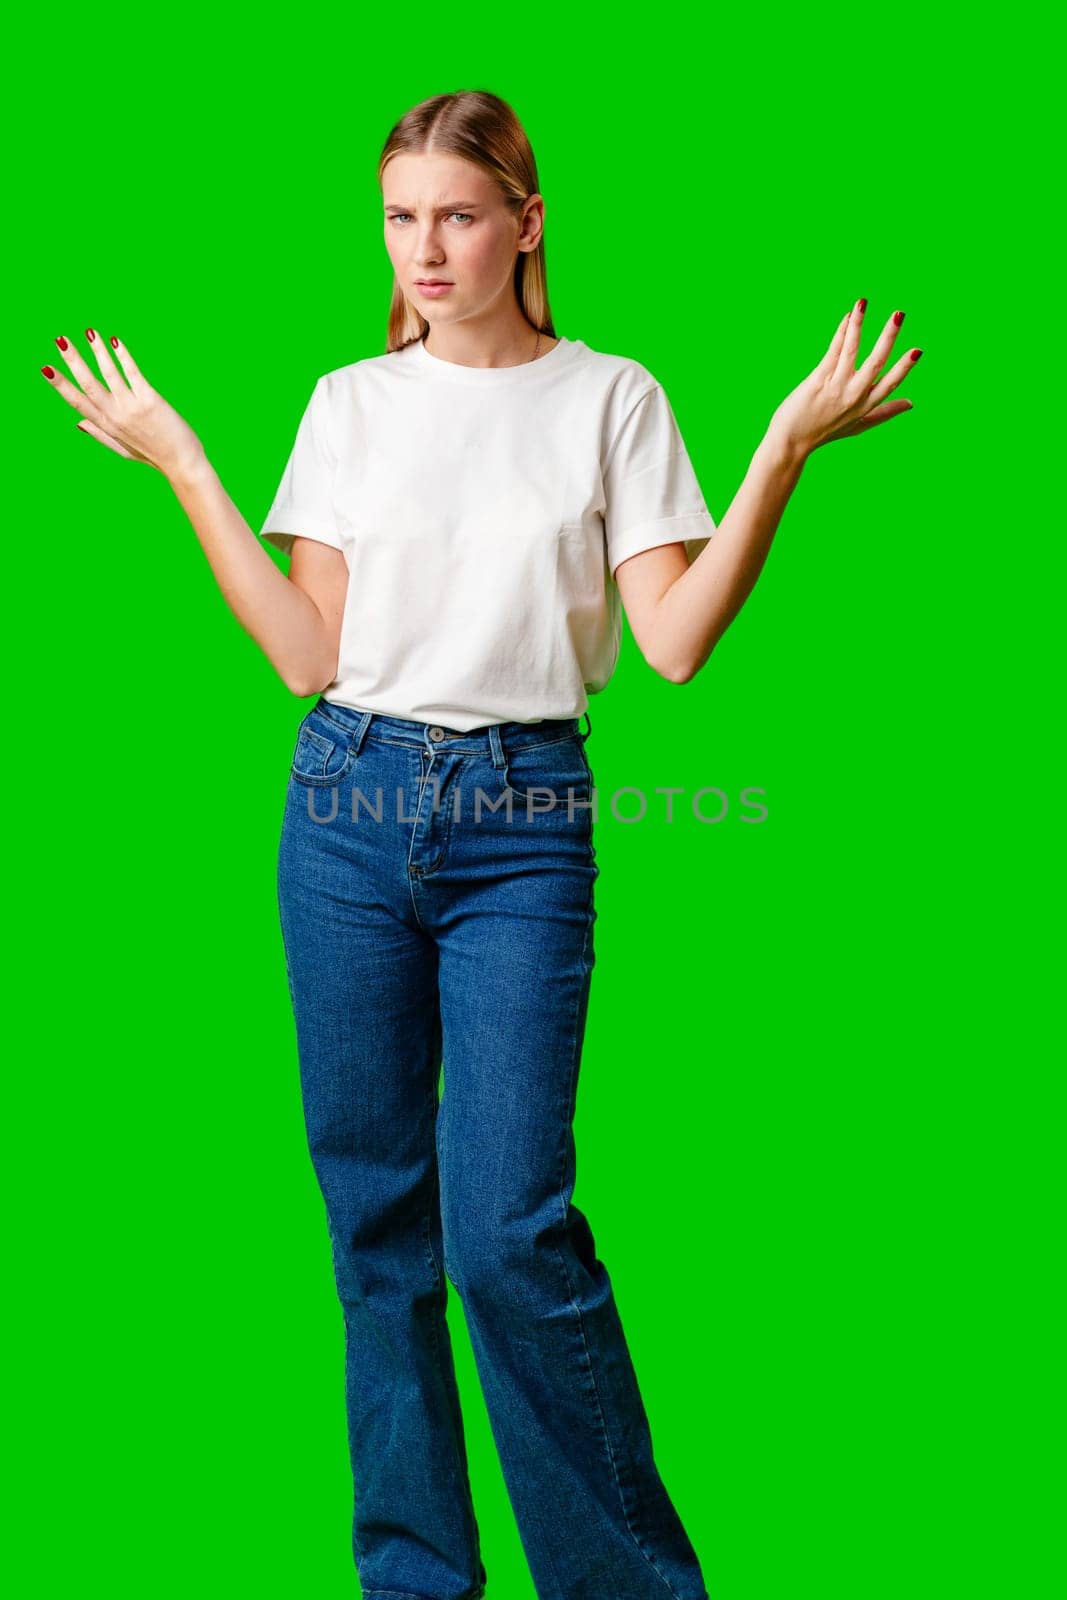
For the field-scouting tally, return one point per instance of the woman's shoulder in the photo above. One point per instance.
(621, 372)
(366, 366)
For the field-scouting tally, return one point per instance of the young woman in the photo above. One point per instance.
(464, 514)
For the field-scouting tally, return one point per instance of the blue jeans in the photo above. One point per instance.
(436, 897)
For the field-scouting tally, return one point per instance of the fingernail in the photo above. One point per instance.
(863, 305)
(114, 342)
(49, 372)
(915, 354)
(898, 317)
(90, 335)
(61, 342)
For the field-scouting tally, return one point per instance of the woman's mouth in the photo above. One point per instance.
(433, 289)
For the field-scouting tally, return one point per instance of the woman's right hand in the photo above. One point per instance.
(133, 420)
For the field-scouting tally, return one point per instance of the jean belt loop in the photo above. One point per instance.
(359, 732)
(496, 745)
(584, 736)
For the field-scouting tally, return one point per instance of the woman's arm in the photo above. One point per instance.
(299, 635)
(678, 630)
(282, 618)
(681, 615)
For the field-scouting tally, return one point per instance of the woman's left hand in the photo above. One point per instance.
(837, 401)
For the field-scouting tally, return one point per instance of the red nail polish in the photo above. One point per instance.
(49, 372)
(915, 354)
(898, 317)
(863, 305)
(61, 342)
(90, 335)
(114, 342)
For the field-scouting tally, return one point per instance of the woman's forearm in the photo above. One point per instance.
(699, 606)
(283, 620)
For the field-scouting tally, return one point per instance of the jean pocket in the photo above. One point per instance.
(557, 767)
(323, 754)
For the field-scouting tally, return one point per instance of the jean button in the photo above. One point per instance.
(437, 733)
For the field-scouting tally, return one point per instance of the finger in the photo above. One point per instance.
(846, 365)
(105, 438)
(90, 383)
(73, 396)
(880, 354)
(108, 370)
(892, 408)
(830, 359)
(896, 374)
(134, 376)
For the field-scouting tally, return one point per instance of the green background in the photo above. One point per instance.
(816, 1130)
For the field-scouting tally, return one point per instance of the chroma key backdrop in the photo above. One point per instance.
(815, 1117)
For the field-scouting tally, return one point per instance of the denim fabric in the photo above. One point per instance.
(427, 929)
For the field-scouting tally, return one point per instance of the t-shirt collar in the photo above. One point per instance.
(487, 377)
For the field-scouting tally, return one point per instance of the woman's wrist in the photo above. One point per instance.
(783, 450)
(187, 472)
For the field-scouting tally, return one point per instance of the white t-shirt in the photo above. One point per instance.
(482, 512)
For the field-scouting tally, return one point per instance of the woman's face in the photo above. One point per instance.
(445, 218)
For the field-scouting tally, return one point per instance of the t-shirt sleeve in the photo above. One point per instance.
(304, 501)
(650, 487)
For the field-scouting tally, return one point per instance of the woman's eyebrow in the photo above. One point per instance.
(453, 205)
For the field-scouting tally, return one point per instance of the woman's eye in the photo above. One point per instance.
(398, 214)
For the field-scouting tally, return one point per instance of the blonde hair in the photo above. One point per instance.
(482, 129)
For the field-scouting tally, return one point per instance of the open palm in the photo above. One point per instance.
(837, 400)
(123, 411)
